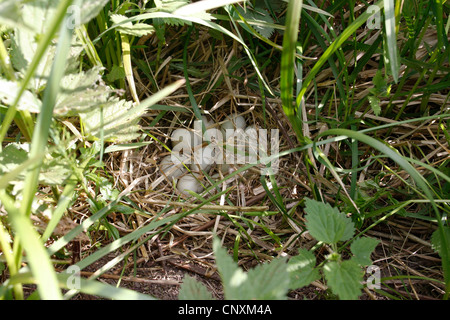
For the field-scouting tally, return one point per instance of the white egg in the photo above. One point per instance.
(234, 121)
(251, 133)
(207, 121)
(170, 169)
(189, 182)
(204, 158)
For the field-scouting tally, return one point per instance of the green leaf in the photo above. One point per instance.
(89, 9)
(344, 278)
(9, 91)
(301, 269)
(268, 281)
(259, 19)
(265, 282)
(375, 104)
(137, 29)
(326, 223)
(436, 239)
(53, 172)
(10, 14)
(391, 52)
(82, 92)
(232, 276)
(112, 119)
(117, 73)
(362, 248)
(192, 289)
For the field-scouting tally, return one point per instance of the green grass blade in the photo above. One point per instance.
(37, 256)
(287, 65)
(45, 118)
(332, 49)
(391, 37)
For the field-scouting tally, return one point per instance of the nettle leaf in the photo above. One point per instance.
(302, 269)
(326, 223)
(344, 278)
(24, 40)
(258, 18)
(10, 14)
(232, 276)
(436, 240)
(116, 120)
(90, 9)
(191, 289)
(28, 101)
(170, 5)
(375, 104)
(362, 248)
(137, 29)
(117, 73)
(82, 92)
(268, 281)
(265, 282)
(54, 171)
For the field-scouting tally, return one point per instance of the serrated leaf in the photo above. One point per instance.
(232, 276)
(24, 41)
(375, 104)
(326, 223)
(258, 19)
(10, 14)
(114, 120)
(192, 289)
(344, 278)
(82, 92)
(53, 172)
(362, 248)
(301, 269)
(28, 101)
(90, 9)
(268, 281)
(117, 73)
(436, 240)
(138, 29)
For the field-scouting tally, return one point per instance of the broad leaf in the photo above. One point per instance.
(344, 278)
(53, 172)
(113, 121)
(259, 19)
(232, 276)
(265, 282)
(28, 101)
(436, 239)
(192, 289)
(362, 248)
(301, 269)
(137, 29)
(326, 223)
(82, 92)
(268, 281)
